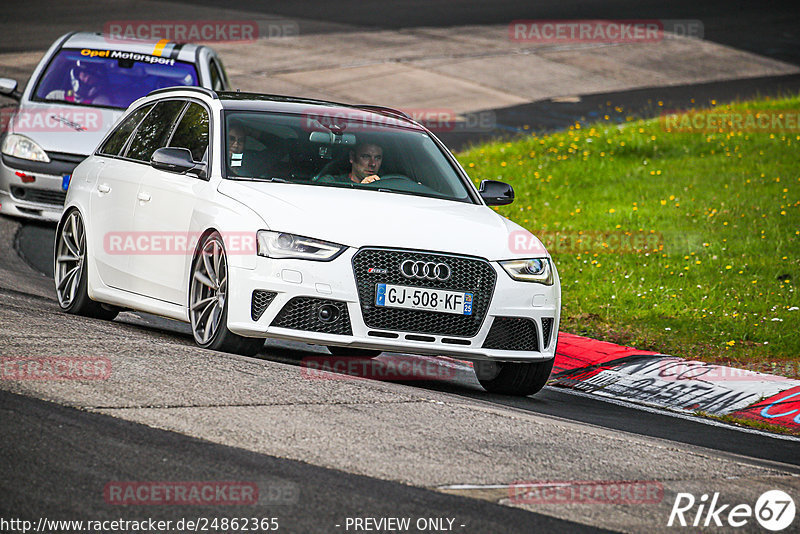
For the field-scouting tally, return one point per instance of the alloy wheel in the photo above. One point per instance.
(209, 289)
(70, 259)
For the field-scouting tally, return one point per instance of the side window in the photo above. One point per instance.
(217, 80)
(117, 140)
(154, 130)
(192, 131)
(226, 83)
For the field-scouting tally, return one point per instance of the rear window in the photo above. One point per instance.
(117, 140)
(109, 78)
(192, 131)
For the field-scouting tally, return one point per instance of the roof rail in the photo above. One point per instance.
(242, 95)
(386, 110)
(204, 90)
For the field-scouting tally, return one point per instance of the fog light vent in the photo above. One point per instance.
(259, 303)
(547, 329)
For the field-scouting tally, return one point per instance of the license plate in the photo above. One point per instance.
(65, 181)
(417, 298)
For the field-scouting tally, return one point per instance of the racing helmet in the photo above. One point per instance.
(85, 89)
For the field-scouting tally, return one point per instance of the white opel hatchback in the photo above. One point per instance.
(253, 216)
(78, 90)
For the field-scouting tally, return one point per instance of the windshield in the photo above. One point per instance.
(350, 154)
(109, 78)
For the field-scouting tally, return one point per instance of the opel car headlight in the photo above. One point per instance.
(19, 146)
(536, 270)
(283, 245)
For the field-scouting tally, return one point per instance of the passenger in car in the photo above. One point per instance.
(236, 140)
(244, 162)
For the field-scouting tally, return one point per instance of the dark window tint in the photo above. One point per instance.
(154, 130)
(192, 131)
(116, 142)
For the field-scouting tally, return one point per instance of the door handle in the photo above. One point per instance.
(144, 197)
(103, 188)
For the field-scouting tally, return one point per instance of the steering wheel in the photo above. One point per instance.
(390, 177)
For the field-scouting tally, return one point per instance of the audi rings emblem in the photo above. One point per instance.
(425, 270)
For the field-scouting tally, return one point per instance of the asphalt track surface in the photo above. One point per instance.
(770, 29)
(51, 444)
(55, 458)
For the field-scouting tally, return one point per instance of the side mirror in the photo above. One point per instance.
(8, 87)
(496, 193)
(177, 160)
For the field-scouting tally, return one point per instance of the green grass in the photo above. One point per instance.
(712, 270)
(750, 423)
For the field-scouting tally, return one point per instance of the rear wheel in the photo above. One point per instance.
(514, 378)
(208, 302)
(70, 270)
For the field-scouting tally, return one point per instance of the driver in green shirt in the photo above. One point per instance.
(365, 161)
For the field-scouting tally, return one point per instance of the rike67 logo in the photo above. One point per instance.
(774, 510)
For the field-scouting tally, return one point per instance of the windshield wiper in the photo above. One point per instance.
(255, 179)
(384, 190)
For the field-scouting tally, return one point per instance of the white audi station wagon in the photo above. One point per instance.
(256, 216)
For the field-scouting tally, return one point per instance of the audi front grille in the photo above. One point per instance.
(373, 266)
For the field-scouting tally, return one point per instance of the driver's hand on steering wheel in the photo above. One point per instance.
(371, 178)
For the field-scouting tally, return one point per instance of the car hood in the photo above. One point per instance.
(371, 218)
(63, 127)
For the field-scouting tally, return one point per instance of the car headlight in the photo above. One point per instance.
(533, 270)
(283, 245)
(19, 146)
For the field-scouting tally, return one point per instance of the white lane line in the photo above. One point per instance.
(696, 419)
(474, 486)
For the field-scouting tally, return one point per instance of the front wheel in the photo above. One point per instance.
(69, 268)
(208, 302)
(518, 378)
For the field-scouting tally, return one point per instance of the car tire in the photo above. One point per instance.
(355, 353)
(516, 378)
(70, 270)
(208, 301)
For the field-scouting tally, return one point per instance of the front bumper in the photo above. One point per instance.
(42, 199)
(522, 305)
